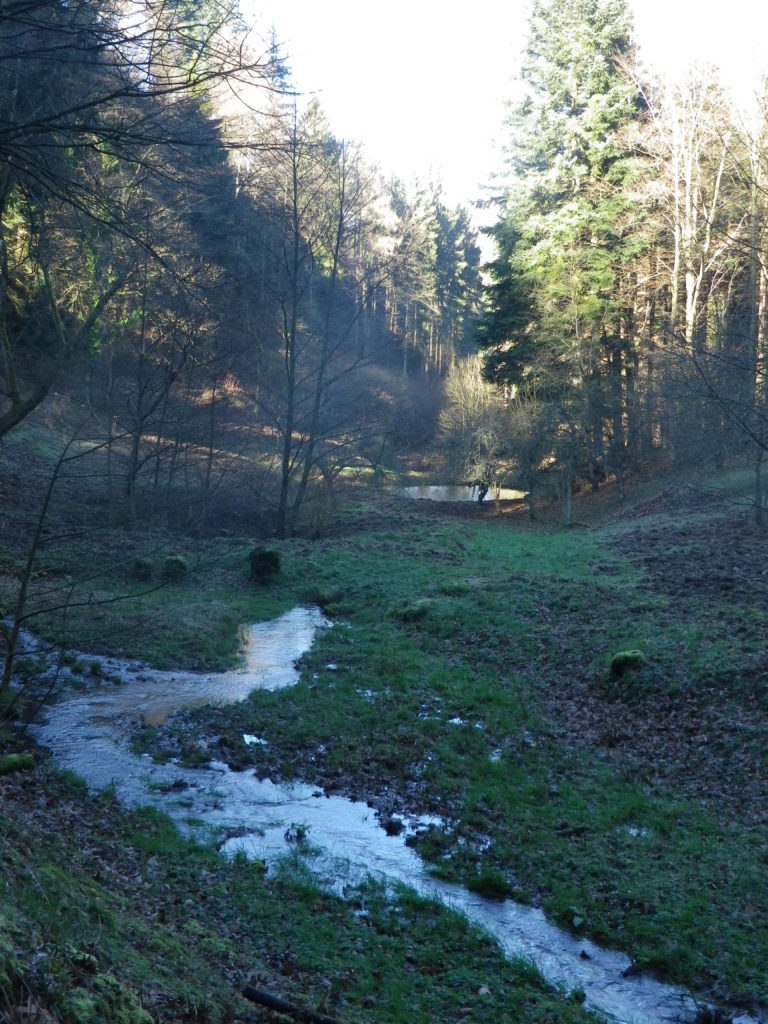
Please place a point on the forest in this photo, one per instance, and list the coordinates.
(228, 342)
(625, 323)
(216, 285)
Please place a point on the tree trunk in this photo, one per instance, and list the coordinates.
(317, 398)
(759, 495)
(290, 328)
(568, 489)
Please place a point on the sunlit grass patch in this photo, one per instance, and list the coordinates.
(444, 685)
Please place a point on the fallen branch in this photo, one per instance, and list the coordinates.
(258, 995)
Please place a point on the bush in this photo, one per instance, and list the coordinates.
(143, 569)
(174, 569)
(264, 564)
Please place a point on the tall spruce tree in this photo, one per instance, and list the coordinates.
(559, 317)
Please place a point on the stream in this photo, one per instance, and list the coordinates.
(87, 733)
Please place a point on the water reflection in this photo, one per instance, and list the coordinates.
(457, 492)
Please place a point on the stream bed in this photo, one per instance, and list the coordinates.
(87, 733)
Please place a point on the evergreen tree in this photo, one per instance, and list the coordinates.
(436, 286)
(568, 232)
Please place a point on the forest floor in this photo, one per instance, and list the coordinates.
(473, 681)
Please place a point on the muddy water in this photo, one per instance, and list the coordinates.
(87, 732)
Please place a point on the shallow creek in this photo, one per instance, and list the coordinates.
(87, 733)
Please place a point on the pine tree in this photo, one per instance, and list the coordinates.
(558, 305)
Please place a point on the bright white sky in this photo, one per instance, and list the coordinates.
(422, 83)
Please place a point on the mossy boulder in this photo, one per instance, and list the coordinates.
(264, 564)
(143, 569)
(411, 611)
(626, 661)
(106, 1000)
(174, 569)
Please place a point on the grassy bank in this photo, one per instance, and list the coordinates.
(110, 916)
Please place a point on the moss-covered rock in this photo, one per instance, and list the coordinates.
(411, 611)
(174, 569)
(625, 661)
(264, 564)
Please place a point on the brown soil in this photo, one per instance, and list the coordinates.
(709, 743)
(725, 557)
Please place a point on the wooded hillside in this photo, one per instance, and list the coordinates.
(627, 321)
(217, 285)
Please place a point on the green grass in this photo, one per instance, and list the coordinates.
(461, 651)
(473, 680)
(125, 916)
(191, 623)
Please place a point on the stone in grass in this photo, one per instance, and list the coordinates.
(264, 564)
(411, 611)
(626, 661)
(174, 569)
(143, 569)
